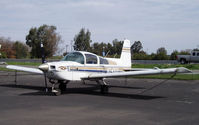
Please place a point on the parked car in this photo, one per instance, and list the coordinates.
(193, 57)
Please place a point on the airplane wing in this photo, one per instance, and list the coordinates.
(25, 69)
(139, 72)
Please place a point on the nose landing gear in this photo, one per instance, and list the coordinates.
(58, 86)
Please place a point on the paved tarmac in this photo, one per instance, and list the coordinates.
(172, 103)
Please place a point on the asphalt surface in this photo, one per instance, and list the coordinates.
(172, 103)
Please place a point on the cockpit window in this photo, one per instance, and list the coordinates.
(75, 56)
(103, 61)
(91, 59)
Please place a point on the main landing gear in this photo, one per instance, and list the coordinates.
(104, 88)
(58, 86)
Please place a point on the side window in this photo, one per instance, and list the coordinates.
(198, 54)
(91, 59)
(103, 61)
(194, 54)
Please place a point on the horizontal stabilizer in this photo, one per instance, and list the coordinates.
(25, 69)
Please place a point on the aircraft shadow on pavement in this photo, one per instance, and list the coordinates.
(119, 86)
(22, 86)
(89, 90)
(96, 92)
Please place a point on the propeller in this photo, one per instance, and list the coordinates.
(44, 67)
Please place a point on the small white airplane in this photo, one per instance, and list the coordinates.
(80, 65)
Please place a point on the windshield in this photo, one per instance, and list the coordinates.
(75, 57)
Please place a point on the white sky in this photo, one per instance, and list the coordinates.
(173, 24)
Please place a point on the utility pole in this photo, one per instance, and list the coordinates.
(66, 48)
(103, 53)
(42, 53)
(71, 45)
(0, 48)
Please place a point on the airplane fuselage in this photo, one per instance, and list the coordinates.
(67, 70)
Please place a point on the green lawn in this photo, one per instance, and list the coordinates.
(188, 66)
(5, 69)
(24, 63)
(168, 76)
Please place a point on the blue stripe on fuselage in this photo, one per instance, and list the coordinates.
(83, 70)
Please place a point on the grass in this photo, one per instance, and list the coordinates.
(168, 76)
(5, 69)
(189, 66)
(24, 63)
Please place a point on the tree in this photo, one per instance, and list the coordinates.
(82, 40)
(173, 55)
(109, 48)
(6, 48)
(20, 49)
(140, 56)
(184, 52)
(95, 48)
(153, 56)
(196, 49)
(136, 47)
(117, 46)
(161, 54)
(44, 34)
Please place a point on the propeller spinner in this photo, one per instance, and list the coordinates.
(44, 67)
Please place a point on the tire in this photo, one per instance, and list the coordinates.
(57, 93)
(104, 89)
(183, 61)
(62, 87)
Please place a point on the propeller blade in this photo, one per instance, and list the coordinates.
(44, 67)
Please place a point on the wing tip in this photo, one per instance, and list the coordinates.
(183, 70)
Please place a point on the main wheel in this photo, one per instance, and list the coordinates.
(104, 89)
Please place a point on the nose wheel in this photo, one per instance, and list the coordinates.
(59, 87)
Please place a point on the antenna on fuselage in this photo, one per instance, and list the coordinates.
(107, 53)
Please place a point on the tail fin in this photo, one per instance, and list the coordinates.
(125, 58)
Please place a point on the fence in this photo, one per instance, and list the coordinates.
(133, 61)
(155, 62)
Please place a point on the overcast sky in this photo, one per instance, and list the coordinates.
(173, 24)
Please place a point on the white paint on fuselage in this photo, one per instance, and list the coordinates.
(68, 70)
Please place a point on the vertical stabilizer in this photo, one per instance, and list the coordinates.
(125, 58)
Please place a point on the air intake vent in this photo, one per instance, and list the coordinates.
(52, 67)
